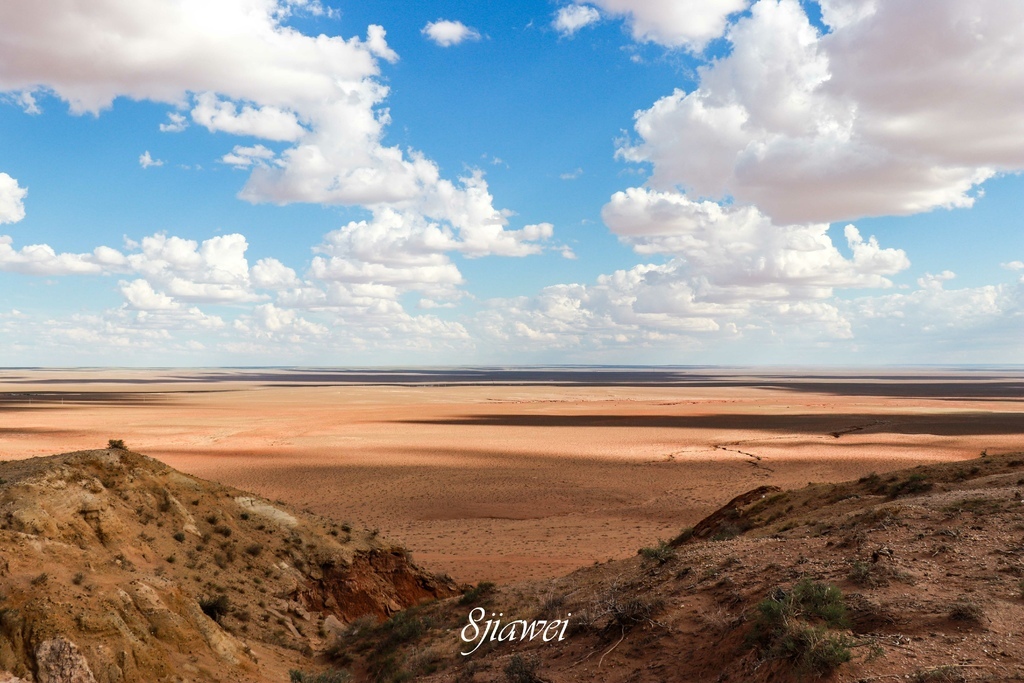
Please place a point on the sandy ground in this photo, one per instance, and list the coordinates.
(502, 476)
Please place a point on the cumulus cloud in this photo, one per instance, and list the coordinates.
(246, 157)
(447, 33)
(736, 252)
(270, 322)
(269, 273)
(146, 160)
(267, 122)
(571, 18)
(214, 271)
(855, 122)
(12, 199)
(689, 24)
(42, 259)
(175, 123)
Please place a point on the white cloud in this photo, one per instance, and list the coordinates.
(27, 102)
(145, 160)
(89, 54)
(269, 273)
(689, 24)
(141, 296)
(270, 322)
(267, 122)
(738, 253)
(447, 33)
(12, 199)
(41, 259)
(400, 250)
(572, 175)
(214, 271)
(571, 18)
(175, 123)
(853, 123)
(245, 157)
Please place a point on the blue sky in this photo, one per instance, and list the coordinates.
(620, 181)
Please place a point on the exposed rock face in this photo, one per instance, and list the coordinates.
(59, 661)
(115, 568)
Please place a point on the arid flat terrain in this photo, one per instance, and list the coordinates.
(505, 475)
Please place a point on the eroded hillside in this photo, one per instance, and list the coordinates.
(115, 567)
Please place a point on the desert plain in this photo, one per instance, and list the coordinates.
(504, 475)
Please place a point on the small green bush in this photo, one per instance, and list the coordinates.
(481, 590)
(965, 610)
(795, 625)
(950, 673)
(863, 574)
(915, 483)
(215, 608)
(522, 669)
(661, 553)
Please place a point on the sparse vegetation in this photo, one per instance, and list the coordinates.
(977, 506)
(481, 590)
(117, 444)
(522, 669)
(215, 608)
(685, 535)
(950, 673)
(254, 549)
(915, 483)
(179, 536)
(796, 625)
(40, 579)
(661, 553)
(966, 610)
(866, 574)
(871, 481)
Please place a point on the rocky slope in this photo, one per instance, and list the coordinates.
(915, 575)
(114, 567)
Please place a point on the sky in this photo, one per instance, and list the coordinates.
(339, 183)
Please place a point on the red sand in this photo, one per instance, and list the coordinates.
(504, 482)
